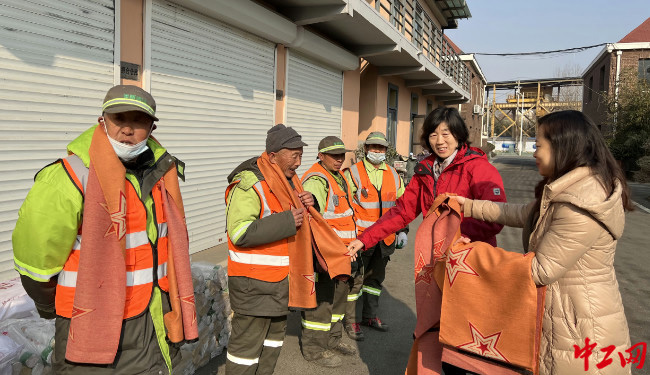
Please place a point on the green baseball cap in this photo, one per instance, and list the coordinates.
(332, 145)
(376, 138)
(125, 98)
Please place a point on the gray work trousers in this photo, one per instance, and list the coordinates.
(255, 344)
(322, 327)
(374, 275)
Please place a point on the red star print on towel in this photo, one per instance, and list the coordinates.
(438, 252)
(423, 271)
(312, 279)
(118, 218)
(457, 263)
(76, 313)
(484, 345)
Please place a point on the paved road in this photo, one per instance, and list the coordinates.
(387, 353)
(641, 195)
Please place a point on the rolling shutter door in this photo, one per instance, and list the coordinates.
(56, 64)
(313, 106)
(214, 89)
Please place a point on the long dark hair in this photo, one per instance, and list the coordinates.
(577, 142)
(456, 125)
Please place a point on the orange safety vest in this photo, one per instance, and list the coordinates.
(140, 252)
(369, 206)
(338, 213)
(267, 262)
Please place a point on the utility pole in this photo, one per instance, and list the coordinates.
(521, 121)
(521, 126)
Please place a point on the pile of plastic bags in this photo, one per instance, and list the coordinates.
(27, 341)
(213, 312)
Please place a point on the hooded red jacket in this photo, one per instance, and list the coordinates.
(470, 175)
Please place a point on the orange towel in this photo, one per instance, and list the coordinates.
(489, 312)
(99, 299)
(317, 234)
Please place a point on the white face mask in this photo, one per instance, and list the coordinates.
(376, 157)
(128, 152)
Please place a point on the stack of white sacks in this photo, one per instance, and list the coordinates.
(27, 341)
(213, 313)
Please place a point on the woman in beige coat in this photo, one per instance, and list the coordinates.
(572, 227)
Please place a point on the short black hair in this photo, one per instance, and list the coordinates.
(452, 118)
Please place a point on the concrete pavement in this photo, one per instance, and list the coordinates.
(387, 353)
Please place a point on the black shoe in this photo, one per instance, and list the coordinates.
(376, 324)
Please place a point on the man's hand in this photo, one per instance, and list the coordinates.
(307, 199)
(353, 249)
(401, 240)
(298, 215)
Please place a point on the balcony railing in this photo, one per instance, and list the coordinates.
(410, 19)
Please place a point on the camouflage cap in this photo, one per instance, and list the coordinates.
(376, 138)
(125, 98)
(332, 145)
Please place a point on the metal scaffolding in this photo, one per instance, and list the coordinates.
(530, 100)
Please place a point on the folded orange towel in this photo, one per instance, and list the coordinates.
(476, 300)
(316, 235)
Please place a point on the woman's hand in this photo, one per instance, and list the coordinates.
(462, 240)
(459, 199)
(353, 248)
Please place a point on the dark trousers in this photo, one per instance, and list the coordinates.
(322, 327)
(255, 344)
(355, 285)
(374, 275)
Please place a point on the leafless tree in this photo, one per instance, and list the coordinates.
(571, 93)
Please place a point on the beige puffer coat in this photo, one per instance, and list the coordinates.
(574, 241)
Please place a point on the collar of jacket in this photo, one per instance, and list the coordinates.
(80, 146)
(425, 167)
(248, 165)
(584, 190)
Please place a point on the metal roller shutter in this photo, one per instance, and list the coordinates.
(56, 64)
(214, 88)
(314, 94)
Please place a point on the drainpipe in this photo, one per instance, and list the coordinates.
(618, 74)
(483, 117)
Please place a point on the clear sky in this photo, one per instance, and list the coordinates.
(504, 26)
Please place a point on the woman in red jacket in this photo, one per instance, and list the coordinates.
(452, 167)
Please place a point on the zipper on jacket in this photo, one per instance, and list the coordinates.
(381, 204)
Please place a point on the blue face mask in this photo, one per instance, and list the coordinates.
(376, 157)
(128, 152)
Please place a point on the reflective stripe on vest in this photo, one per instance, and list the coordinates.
(338, 213)
(139, 253)
(369, 208)
(132, 239)
(139, 277)
(268, 262)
